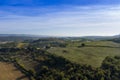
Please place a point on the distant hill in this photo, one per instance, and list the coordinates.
(18, 37)
(100, 37)
(117, 36)
(22, 37)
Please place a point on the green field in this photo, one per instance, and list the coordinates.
(92, 54)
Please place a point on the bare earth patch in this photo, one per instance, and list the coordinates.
(9, 72)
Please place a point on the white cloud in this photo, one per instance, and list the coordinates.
(74, 20)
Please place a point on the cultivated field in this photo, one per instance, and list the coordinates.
(9, 72)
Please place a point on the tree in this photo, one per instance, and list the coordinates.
(83, 44)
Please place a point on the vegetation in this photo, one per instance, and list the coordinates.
(47, 42)
(117, 40)
(93, 53)
(112, 66)
(58, 59)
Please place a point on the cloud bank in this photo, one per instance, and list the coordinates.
(63, 21)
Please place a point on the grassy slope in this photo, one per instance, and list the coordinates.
(93, 54)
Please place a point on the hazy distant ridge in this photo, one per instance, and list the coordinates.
(20, 37)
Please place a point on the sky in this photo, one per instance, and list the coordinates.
(60, 17)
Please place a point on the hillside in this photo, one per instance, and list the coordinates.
(93, 53)
(41, 65)
(61, 59)
(19, 37)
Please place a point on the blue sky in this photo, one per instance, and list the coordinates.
(60, 17)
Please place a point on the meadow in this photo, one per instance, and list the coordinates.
(93, 53)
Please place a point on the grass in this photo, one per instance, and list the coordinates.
(9, 72)
(92, 54)
(22, 45)
(28, 64)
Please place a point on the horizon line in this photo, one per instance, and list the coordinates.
(59, 35)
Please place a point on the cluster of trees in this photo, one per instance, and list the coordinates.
(117, 40)
(82, 45)
(48, 42)
(23, 69)
(112, 67)
(5, 50)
